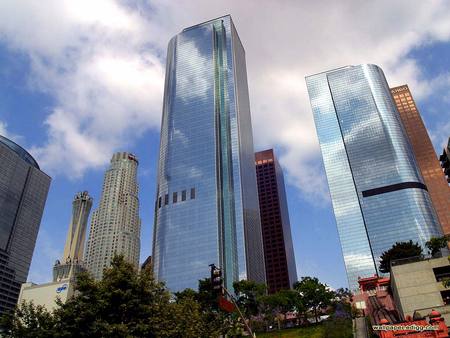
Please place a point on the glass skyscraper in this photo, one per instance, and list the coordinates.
(207, 208)
(377, 191)
(23, 192)
(281, 271)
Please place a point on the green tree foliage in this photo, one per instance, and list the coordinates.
(435, 244)
(127, 304)
(124, 304)
(399, 250)
(314, 294)
(248, 294)
(28, 321)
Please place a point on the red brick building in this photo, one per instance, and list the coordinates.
(281, 271)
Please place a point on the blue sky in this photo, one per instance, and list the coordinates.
(80, 80)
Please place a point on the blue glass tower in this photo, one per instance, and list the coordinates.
(23, 192)
(376, 188)
(207, 208)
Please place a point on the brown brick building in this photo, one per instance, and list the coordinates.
(425, 154)
(281, 271)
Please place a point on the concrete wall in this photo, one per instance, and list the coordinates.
(415, 287)
(45, 294)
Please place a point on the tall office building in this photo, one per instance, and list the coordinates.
(377, 191)
(115, 225)
(425, 154)
(281, 272)
(445, 161)
(207, 207)
(65, 272)
(72, 260)
(23, 192)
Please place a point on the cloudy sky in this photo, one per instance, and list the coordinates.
(82, 79)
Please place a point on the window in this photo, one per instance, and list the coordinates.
(175, 197)
(446, 297)
(183, 195)
(166, 199)
(159, 202)
(441, 272)
(192, 193)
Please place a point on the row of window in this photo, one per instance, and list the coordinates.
(175, 197)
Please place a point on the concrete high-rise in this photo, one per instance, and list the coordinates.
(72, 260)
(115, 225)
(23, 192)
(378, 193)
(425, 154)
(281, 272)
(207, 208)
(65, 272)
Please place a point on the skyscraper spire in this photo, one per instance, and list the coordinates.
(72, 260)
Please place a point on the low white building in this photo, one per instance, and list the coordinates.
(46, 294)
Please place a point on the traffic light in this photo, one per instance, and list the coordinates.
(216, 279)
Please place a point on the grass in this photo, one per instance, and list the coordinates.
(329, 329)
(304, 332)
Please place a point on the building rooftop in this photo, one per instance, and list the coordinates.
(22, 153)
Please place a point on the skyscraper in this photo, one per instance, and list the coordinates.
(72, 260)
(65, 273)
(425, 154)
(115, 225)
(281, 272)
(207, 207)
(377, 191)
(23, 192)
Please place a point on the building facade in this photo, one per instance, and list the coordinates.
(281, 272)
(425, 154)
(72, 260)
(207, 208)
(377, 191)
(23, 192)
(417, 286)
(46, 294)
(115, 225)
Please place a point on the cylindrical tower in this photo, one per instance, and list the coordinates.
(115, 225)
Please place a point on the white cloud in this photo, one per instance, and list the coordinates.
(103, 63)
(6, 133)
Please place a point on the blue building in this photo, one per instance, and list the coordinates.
(207, 207)
(23, 192)
(376, 188)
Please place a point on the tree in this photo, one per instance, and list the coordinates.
(277, 305)
(124, 303)
(315, 295)
(27, 321)
(435, 244)
(399, 250)
(248, 294)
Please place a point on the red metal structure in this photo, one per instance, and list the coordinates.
(440, 331)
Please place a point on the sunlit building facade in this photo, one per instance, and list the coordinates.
(207, 209)
(23, 192)
(116, 225)
(425, 154)
(72, 261)
(377, 191)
